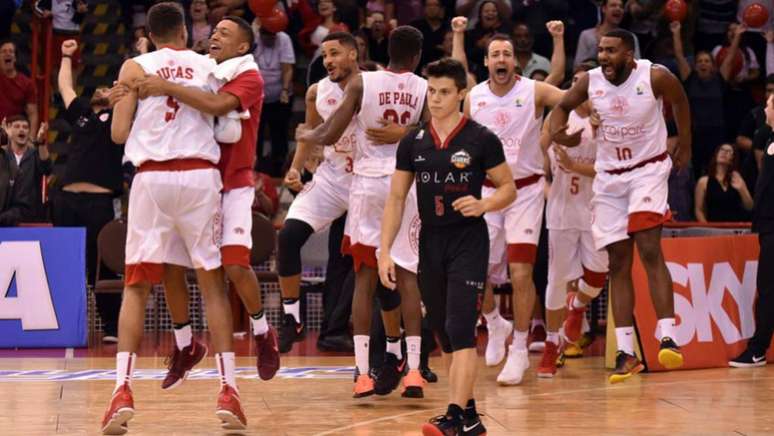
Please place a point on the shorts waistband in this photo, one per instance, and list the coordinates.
(653, 159)
(176, 165)
(520, 183)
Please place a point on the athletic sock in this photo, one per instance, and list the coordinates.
(520, 340)
(577, 303)
(361, 353)
(183, 335)
(124, 368)
(225, 362)
(665, 328)
(292, 306)
(470, 410)
(553, 337)
(413, 351)
(393, 346)
(258, 321)
(455, 411)
(492, 317)
(624, 336)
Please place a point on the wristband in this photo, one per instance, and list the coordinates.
(67, 56)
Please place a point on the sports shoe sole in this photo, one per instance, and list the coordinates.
(509, 382)
(363, 394)
(537, 347)
(229, 420)
(546, 374)
(413, 392)
(746, 365)
(185, 376)
(430, 430)
(117, 423)
(618, 378)
(671, 359)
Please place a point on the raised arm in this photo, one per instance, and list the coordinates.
(393, 213)
(546, 96)
(666, 85)
(65, 78)
(459, 25)
(331, 130)
(558, 57)
(123, 112)
(677, 42)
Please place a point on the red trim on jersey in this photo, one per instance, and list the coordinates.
(520, 183)
(619, 171)
(143, 272)
(176, 165)
(593, 278)
(639, 221)
(235, 255)
(363, 255)
(172, 48)
(437, 139)
(522, 253)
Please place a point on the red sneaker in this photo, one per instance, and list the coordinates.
(119, 412)
(267, 354)
(180, 363)
(229, 409)
(547, 368)
(574, 322)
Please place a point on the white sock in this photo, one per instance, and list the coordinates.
(413, 351)
(553, 337)
(293, 308)
(260, 326)
(394, 348)
(665, 328)
(124, 368)
(226, 365)
(361, 353)
(537, 322)
(492, 317)
(624, 336)
(183, 336)
(577, 303)
(519, 340)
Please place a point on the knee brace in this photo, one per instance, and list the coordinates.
(592, 282)
(388, 298)
(291, 238)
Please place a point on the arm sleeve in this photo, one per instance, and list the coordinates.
(403, 159)
(247, 87)
(493, 150)
(77, 108)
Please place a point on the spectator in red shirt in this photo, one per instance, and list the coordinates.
(266, 195)
(17, 91)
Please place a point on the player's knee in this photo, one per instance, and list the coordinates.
(650, 254)
(556, 295)
(388, 298)
(291, 238)
(520, 272)
(461, 335)
(619, 263)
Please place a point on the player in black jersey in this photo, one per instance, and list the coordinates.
(449, 157)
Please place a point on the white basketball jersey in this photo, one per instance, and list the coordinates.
(633, 127)
(512, 118)
(337, 165)
(398, 97)
(569, 199)
(165, 129)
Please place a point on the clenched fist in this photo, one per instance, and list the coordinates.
(69, 47)
(459, 24)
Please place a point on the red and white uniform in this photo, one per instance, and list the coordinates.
(571, 251)
(398, 97)
(513, 119)
(326, 196)
(176, 193)
(630, 188)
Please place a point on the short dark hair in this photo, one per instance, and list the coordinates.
(7, 41)
(245, 28)
(18, 117)
(165, 19)
(624, 35)
(344, 38)
(405, 43)
(451, 68)
(499, 37)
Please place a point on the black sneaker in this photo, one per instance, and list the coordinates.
(290, 332)
(472, 426)
(748, 359)
(669, 354)
(428, 374)
(444, 425)
(390, 375)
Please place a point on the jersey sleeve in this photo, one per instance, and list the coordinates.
(404, 161)
(78, 107)
(493, 150)
(247, 87)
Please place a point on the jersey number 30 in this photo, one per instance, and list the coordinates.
(392, 115)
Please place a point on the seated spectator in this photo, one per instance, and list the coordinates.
(16, 192)
(722, 195)
(375, 32)
(533, 65)
(17, 91)
(489, 23)
(67, 17)
(199, 28)
(433, 26)
(472, 9)
(266, 195)
(28, 156)
(745, 67)
(329, 22)
(612, 15)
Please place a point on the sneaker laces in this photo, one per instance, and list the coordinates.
(172, 360)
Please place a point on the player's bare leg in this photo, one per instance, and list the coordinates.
(622, 298)
(498, 328)
(661, 293)
(411, 310)
(524, 296)
(362, 301)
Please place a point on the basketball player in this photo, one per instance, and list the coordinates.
(395, 95)
(571, 247)
(449, 157)
(239, 88)
(630, 188)
(175, 197)
(512, 107)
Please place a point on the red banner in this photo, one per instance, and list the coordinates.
(714, 291)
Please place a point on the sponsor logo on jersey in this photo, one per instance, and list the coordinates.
(419, 159)
(331, 101)
(599, 93)
(413, 234)
(519, 102)
(460, 159)
(647, 200)
(239, 231)
(615, 133)
(501, 120)
(640, 88)
(401, 86)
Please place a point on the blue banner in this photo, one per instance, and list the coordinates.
(43, 287)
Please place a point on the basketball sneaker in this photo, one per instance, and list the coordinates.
(428, 374)
(574, 322)
(267, 354)
(626, 366)
(364, 386)
(119, 412)
(390, 375)
(748, 359)
(181, 362)
(495, 346)
(229, 409)
(669, 354)
(413, 385)
(290, 332)
(547, 368)
(472, 426)
(515, 366)
(443, 425)
(537, 338)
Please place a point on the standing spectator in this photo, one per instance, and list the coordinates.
(433, 26)
(16, 193)
(490, 21)
(92, 177)
(745, 63)
(722, 195)
(199, 28)
(750, 156)
(612, 15)
(375, 32)
(275, 58)
(714, 16)
(67, 17)
(17, 91)
(28, 156)
(472, 9)
(527, 60)
(536, 13)
(329, 22)
(644, 17)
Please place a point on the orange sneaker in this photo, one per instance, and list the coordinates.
(119, 412)
(364, 386)
(574, 322)
(229, 409)
(413, 385)
(547, 368)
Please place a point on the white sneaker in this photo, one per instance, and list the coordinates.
(495, 347)
(513, 371)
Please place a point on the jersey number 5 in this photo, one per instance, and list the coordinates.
(574, 185)
(174, 106)
(439, 209)
(392, 115)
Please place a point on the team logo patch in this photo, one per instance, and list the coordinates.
(413, 234)
(640, 88)
(528, 231)
(519, 102)
(460, 159)
(420, 134)
(647, 199)
(502, 119)
(331, 101)
(619, 106)
(401, 86)
(419, 159)
(599, 93)
(239, 231)
(770, 150)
